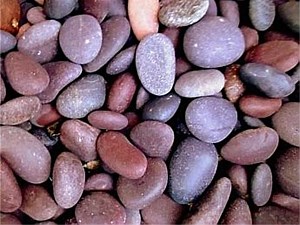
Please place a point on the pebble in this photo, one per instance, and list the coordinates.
(173, 33)
(286, 201)
(46, 116)
(10, 16)
(213, 42)
(212, 8)
(99, 182)
(133, 217)
(182, 66)
(9, 219)
(174, 13)
(82, 97)
(251, 146)
(22, 30)
(262, 14)
(155, 64)
(36, 15)
(107, 120)
(239, 179)
(142, 97)
(7, 41)
(56, 9)
(251, 37)
(210, 119)
(273, 35)
(289, 13)
(234, 87)
(2, 90)
(230, 10)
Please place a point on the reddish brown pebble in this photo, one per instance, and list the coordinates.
(279, 36)
(182, 66)
(99, 182)
(10, 12)
(120, 155)
(239, 179)
(9, 219)
(286, 201)
(23, 29)
(234, 87)
(46, 116)
(133, 119)
(35, 15)
(251, 37)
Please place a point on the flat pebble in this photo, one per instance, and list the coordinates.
(230, 10)
(262, 14)
(239, 179)
(251, 146)
(289, 13)
(36, 15)
(99, 182)
(7, 41)
(56, 9)
(107, 120)
(155, 64)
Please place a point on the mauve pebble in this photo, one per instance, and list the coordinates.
(99, 182)
(261, 184)
(25, 76)
(213, 42)
(9, 219)
(7, 41)
(133, 119)
(133, 217)
(230, 10)
(174, 13)
(80, 138)
(40, 41)
(251, 37)
(239, 179)
(36, 15)
(284, 122)
(192, 168)
(182, 66)
(107, 120)
(2, 90)
(199, 83)
(154, 138)
(268, 80)
(155, 64)
(262, 13)
(253, 122)
(57, 9)
(61, 73)
(173, 33)
(82, 97)
(289, 13)
(161, 108)
(122, 61)
(121, 93)
(210, 119)
(115, 32)
(46, 116)
(286, 201)
(19, 110)
(162, 211)
(212, 8)
(142, 98)
(251, 146)
(80, 38)
(282, 55)
(139, 193)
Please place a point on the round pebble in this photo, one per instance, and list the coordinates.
(107, 120)
(56, 9)
(230, 10)
(262, 14)
(35, 15)
(239, 179)
(7, 41)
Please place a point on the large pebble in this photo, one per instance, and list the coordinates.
(120, 155)
(80, 38)
(154, 138)
(82, 97)
(139, 193)
(262, 13)
(268, 80)
(99, 208)
(155, 64)
(10, 193)
(192, 168)
(107, 120)
(213, 42)
(19, 110)
(116, 31)
(61, 73)
(26, 76)
(40, 41)
(25, 154)
(99, 182)
(289, 13)
(80, 138)
(211, 119)
(174, 13)
(161, 108)
(7, 41)
(200, 83)
(68, 180)
(239, 179)
(287, 171)
(251, 146)
(282, 55)
(285, 123)
(230, 10)
(57, 9)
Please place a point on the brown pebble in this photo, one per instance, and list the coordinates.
(107, 120)
(239, 179)
(99, 182)
(234, 87)
(286, 201)
(46, 116)
(10, 12)
(251, 37)
(23, 29)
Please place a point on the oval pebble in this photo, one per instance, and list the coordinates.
(46, 116)
(99, 208)
(268, 80)
(56, 9)
(68, 180)
(2, 89)
(116, 31)
(107, 120)
(199, 83)
(61, 73)
(82, 97)
(155, 64)
(11, 196)
(289, 13)
(7, 41)
(286, 201)
(25, 76)
(230, 11)
(251, 146)
(261, 184)
(161, 108)
(234, 88)
(239, 179)
(210, 119)
(40, 41)
(213, 42)
(19, 110)
(25, 154)
(133, 217)
(80, 138)
(262, 14)
(142, 98)
(259, 107)
(139, 193)
(99, 182)
(182, 13)
(251, 37)
(192, 168)
(37, 203)
(80, 38)
(154, 138)
(120, 155)
(284, 122)
(282, 55)
(36, 15)
(9, 219)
